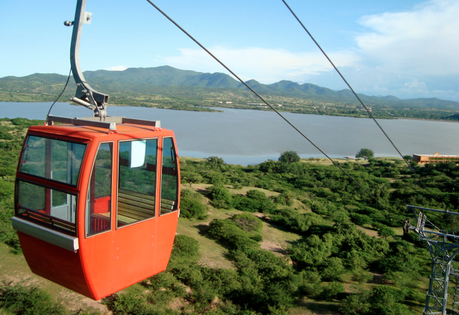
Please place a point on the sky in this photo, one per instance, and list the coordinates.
(405, 48)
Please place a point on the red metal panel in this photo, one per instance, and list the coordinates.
(54, 263)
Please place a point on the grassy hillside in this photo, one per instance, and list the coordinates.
(274, 238)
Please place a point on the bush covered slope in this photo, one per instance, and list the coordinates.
(336, 248)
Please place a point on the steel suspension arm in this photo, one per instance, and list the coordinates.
(85, 95)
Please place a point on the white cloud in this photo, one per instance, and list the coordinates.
(116, 68)
(409, 54)
(423, 41)
(262, 64)
(406, 54)
(415, 84)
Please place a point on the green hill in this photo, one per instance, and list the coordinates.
(168, 87)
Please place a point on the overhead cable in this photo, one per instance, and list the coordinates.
(264, 101)
(356, 95)
(345, 81)
(63, 90)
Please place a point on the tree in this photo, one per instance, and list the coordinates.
(215, 162)
(356, 302)
(408, 157)
(192, 208)
(191, 177)
(334, 270)
(220, 196)
(385, 232)
(331, 290)
(289, 157)
(365, 153)
(185, 247)
(385, 300)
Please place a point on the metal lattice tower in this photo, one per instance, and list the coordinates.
(443, 247)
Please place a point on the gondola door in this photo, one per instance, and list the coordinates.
(97, 248)
(169, 201)
(121, 216)
(136, 217)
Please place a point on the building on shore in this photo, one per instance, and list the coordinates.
(435, 158)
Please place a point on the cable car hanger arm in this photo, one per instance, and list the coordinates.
(85, 95)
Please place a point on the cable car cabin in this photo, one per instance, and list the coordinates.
(97, 204)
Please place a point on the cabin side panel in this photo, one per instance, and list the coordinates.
(54, 263)
(166, 230)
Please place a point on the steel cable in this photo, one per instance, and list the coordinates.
(63, 90)
(264, 101)
(345, 81)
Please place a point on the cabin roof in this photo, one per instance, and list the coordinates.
(93, 133)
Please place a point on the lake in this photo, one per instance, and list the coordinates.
(251, 137)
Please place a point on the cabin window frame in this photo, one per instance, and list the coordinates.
(48, 162)
(163, 209)
(129, 194)
(50, 218)
(87, 208)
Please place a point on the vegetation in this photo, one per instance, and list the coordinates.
(22, 299)
(191, 205)
(348, 254)
(365, 154)
(10, 145)
(289, 157)
(27, 299)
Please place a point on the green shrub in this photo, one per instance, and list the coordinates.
(312, 251)
(294, 221)
(215, 162)
(385, 300)
(254, 201)
(185, 247)
(229, 233)
(385, 232)
(289, 157)
(131, 302)
(7, 234)
(285, 198)
(244, 203)
(356, 303)
(334, 269)
(188, 273)
(310, 285)
(23, 122)
(217, 178)
(164, 287)
(202, 296)
(362, 276)
(27, 300)
(360, 219)
(247, 222)
(4, 133)
(220, 196)
(331, 290)
(223, 281)
(192, 208)
(190, 177)
(257, 237)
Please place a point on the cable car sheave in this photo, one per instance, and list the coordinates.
(97, 199)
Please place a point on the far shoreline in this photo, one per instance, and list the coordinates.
(207, 109)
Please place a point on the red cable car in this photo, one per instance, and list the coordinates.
(97, 199)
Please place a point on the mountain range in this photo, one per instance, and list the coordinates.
(147, 81)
